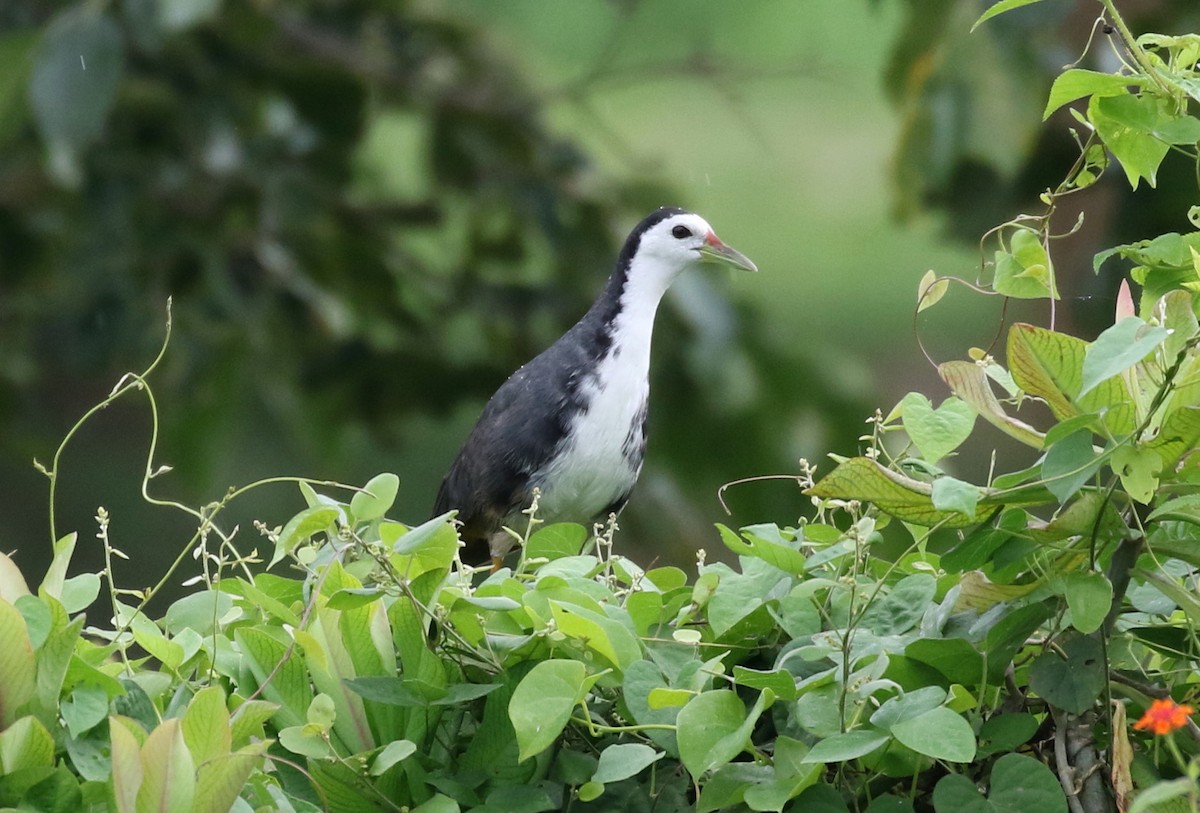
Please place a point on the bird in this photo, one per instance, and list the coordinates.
(572, 422)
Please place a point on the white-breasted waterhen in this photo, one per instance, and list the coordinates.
(572, 422)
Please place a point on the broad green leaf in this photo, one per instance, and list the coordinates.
(1178, 435)
(1089, 597)
(1117, 349)
(168, 773)
(1077, 83)
(950, 494)
(26, 745)
(205, 725)
(220, 780)
(542, 703)
(439, 803)
(597, 632)
(969, 382)
(847, 746)
(279, 672)
(126, 766)
(781, 681)
(907, 706)
(427, 547)
(714, 727)
(1138, 467)
(955, 658)
(151, 639)
(1073, 682)
(56, 574)
(393, 752)
(936, 432)
(775, 552)
(1024, 271)
(53, 660)
(300, 528)
(1001, 7)
(1125, 124)
(1070, 463)
(624, 760)
(1006, 732)
(861, 478)
(305, 740)
(18, 669)
(938, 733)
(376, 498)
(902, 607)
(1050, 365)
(85, 709)
(1022, 784)
(556, 541)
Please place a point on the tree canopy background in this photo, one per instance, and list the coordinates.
(367, 214)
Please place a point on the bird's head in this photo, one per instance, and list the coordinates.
(672, 240)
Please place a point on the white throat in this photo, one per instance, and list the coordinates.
(589, 476)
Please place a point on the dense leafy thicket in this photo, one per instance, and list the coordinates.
(367, 669)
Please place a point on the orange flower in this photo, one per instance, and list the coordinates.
(1163, 717)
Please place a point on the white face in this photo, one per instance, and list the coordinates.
(677, 240)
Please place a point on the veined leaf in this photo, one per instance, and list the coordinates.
(542, 703)
(1077, 83)
(969, 382)
(1117, 349)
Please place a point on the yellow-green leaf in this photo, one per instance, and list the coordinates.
(969, 382)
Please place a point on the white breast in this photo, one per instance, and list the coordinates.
(593, 467)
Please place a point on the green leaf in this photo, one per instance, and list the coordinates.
(624, 760)
(205, 726)
(1119, 348)
(18, 668)
(376, 498)
(969, 382)
(424, 548)
(1089, 597)
(86, 708)
(775, 552)
(930, 290)
(907, 706)
(938, 733)
(168, 773)
(556, 541)
(1071, 683)
(1125, 124)
(1077, 83)
(1022, 784)
(1178, 435)
(597, 632)
(392, 753)
(714, 727)
(126, 766)
(862, 478)
(936, 432)
(542, 703)
(902, 607)
(847, 746)
(76, 71)
(300, 528)
(1006, 732)
(1138, 467)
(955, 658)
(950, 494)
(26, 745)
(781, 681)
(1070, 463)
(1025, 270)
(56, 574)
(1000, 8)
(220, 780)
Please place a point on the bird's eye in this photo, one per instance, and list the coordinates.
(681, 232)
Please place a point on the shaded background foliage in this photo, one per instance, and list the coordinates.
(369, 214)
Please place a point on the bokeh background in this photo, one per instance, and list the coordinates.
(368, 213)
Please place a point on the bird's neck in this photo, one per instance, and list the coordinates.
(631, 301)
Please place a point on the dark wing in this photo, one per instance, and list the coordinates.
(517, 433)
